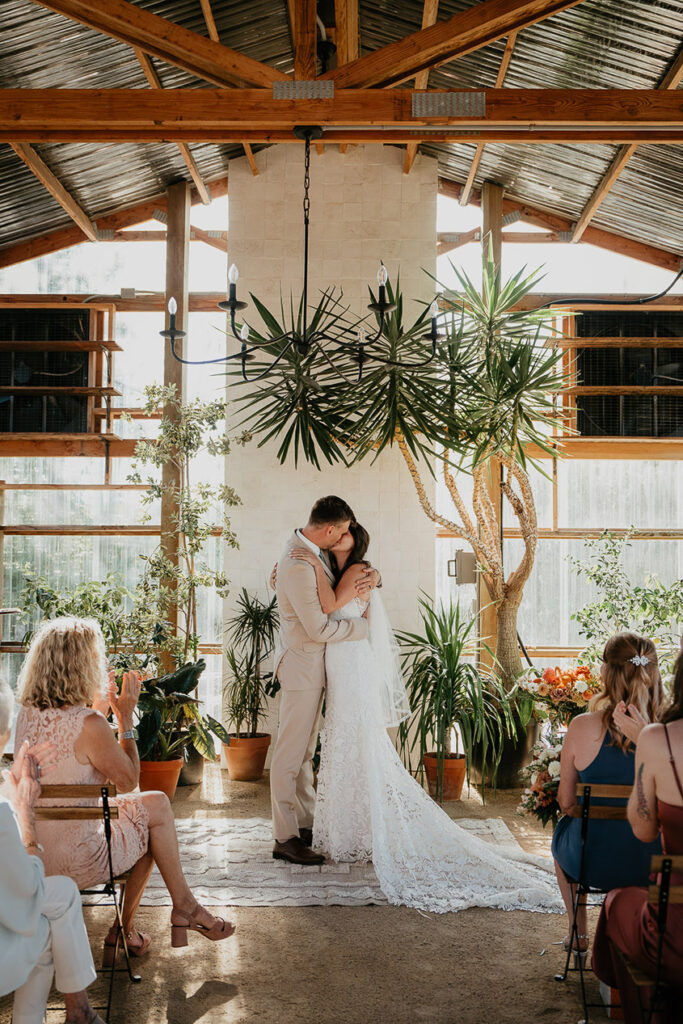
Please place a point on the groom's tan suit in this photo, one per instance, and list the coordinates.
(300, 668)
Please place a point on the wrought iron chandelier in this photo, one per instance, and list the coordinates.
(353, 340)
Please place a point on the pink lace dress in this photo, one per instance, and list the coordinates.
(78, 848)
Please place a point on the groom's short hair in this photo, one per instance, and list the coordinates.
(330, 511)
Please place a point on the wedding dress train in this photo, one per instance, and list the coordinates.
(370, 808)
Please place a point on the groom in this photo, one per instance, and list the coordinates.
(300, 668)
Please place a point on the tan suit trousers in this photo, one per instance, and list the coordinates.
(291, 771)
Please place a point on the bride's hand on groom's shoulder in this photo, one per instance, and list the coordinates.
(273, 578)
(367, 582)
(305, 555)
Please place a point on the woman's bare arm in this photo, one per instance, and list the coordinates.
(331, 600)
(566, 793)
(642, 805)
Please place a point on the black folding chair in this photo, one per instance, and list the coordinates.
(588, 811)
(115, 887)
(661, 893)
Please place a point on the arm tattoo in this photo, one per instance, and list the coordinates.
(643, 810)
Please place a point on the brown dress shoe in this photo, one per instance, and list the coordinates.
(296, 852)
(306, 836)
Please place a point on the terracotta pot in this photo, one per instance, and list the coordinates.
(246, 756)
(160, 775)
(453, 774)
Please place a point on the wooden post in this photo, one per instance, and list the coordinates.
(491, 236)
(177, 267)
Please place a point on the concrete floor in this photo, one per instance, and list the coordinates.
(339, 965)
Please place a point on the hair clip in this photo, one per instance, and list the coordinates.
(640, 659)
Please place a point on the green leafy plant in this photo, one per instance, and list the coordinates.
(169, 716)
(130, 633)
(651, 609)
(252, 630)
(186, 429)
(479, 405)
(447, 692)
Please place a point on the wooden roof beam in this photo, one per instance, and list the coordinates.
(348, 36)
(164, 39)
(200, 113)
(429, 13)
(479, 152)
(670, 81)
(465, 32)
(63, 238)
(556, 222)
(42, 172)
(155, 83)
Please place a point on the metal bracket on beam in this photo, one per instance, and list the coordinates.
(511, 218)
(104, 234)
(565, 236)
(161, 216)
(448, 104)
(304, 90)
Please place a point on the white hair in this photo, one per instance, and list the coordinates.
(6, 707)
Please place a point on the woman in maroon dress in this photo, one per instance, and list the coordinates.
(628, 922)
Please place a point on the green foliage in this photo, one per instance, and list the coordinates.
(485, 392)
(446, 690)
(130, 632)
(185, 430)
(169, 716)
(653, 609)
(252, 630)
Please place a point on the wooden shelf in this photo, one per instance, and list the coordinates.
(616, 343)
(670, 391)
(66, 445)
(59, 346)
(50, 389)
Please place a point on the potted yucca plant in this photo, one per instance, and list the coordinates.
(456, 707)
(252, 632)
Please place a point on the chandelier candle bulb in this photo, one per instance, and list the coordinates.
(172, 310)
(382, 281)
(233, 275)
(244, 333)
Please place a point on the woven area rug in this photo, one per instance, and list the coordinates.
(229, 862)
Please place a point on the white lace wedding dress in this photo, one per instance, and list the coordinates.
(370, 808)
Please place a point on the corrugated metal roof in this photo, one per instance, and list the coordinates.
(597, 44)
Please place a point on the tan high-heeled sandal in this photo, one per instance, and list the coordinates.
(220, 929)
(110, 945)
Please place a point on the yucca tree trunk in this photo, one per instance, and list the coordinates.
(507, 645)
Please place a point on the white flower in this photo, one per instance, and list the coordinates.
(533, 779)
(556, 751)
(580, 685)
(554, 769)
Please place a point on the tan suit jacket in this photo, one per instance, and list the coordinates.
(304, 627)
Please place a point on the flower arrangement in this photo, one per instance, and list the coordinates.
(542, 778)
(558, 694)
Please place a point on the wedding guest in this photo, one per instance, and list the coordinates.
(58, 689)
(42, 934)
(627, 919)
(596, 751)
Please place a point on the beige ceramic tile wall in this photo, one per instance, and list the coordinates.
(363, 209)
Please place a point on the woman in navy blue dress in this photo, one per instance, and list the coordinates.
(596, 751)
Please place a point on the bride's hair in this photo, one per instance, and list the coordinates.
(361, 543)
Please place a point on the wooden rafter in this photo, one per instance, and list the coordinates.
(670, 81)
(557, 223)
(164, 39)
(305, 40)
(348, 36)
(99, 114)
(211, 28)
(42, 172)
(155, 83)
(429, 13)
(63, 238)
(465, 32)
(479, 152)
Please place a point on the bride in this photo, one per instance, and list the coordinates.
(369, 807)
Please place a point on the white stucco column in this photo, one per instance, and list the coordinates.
(363, 210)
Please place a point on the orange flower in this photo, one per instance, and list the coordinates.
(550, 675)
